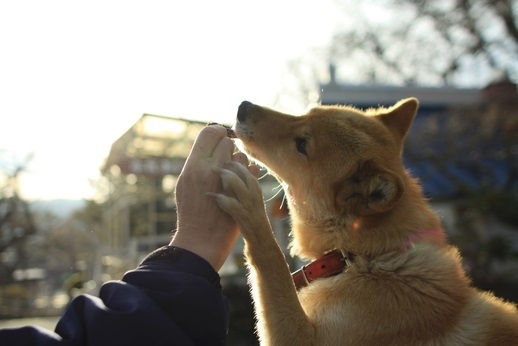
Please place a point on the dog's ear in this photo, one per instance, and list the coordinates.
(399, 117)
(370, 190)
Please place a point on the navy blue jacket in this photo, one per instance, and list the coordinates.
(173, 298)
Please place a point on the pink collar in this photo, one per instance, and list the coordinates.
(432, 235)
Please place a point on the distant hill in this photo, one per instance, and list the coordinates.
(62, 208)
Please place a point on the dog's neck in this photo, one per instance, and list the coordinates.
(368, 235)
(336, 262)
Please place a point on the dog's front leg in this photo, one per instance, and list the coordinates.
(281, 319)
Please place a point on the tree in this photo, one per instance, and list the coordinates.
(16, 222)
(456, 42)
(34, 260)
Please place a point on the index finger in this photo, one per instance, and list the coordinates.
(207, 140)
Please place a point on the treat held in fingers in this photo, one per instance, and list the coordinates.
(230, 131)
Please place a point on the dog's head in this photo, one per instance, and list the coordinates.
(338, 165)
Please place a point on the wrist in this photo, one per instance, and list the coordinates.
(197, 250)
(213, 251)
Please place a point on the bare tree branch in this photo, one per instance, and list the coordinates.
(429, 42)
(504, 8)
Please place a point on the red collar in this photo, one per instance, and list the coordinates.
(330, 264)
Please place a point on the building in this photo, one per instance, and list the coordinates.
(141, 170)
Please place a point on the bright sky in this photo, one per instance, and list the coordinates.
(74, 75)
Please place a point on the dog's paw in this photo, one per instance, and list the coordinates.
(242, 197)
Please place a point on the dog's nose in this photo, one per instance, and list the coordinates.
(243, 110)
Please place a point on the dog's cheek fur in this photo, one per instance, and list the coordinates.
(370, 190)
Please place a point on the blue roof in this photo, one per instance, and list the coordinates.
(474, 163)
(454, 178)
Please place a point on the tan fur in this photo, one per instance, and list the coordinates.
(351, 192)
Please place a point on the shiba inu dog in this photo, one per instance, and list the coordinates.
(383, 272)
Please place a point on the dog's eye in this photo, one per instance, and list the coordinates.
(301, 143)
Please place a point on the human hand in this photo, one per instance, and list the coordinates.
(202, 227)
(242, 198)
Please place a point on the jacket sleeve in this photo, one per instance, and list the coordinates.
(173, 298)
